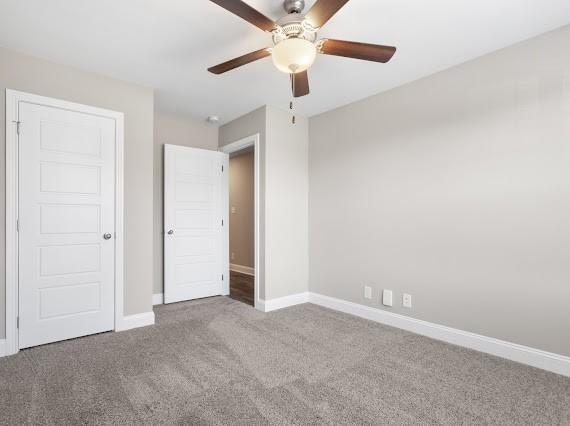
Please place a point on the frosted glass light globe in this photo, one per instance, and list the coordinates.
(294, 55)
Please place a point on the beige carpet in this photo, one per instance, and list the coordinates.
(218, 361)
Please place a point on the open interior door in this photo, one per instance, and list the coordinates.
(196, 260)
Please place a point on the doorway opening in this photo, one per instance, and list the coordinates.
(244, 220)
(241, 214)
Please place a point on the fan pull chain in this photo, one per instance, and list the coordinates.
(291, 108)
(291, 103)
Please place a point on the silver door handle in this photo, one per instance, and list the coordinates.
(170, 232)
(107, 236)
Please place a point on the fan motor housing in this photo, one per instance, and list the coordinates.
(293, 26)
(294, 6)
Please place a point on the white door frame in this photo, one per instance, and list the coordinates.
(12, 124)
(247, 142)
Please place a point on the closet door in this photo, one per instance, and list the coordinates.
(66, 224)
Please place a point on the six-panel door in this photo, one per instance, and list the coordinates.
(66, 208)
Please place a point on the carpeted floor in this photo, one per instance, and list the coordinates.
(218, 361)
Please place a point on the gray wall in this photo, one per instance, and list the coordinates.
(24, 73)
(286, 204)
(242, 127)
(242, 209)
(174, 130)
(284, 197)
(455, 189)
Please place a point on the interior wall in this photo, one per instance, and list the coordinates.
(174, 130)
(28, 74)
(286, 204)
(454, 189)
(284, 197)
(240, 128)
(242, 209)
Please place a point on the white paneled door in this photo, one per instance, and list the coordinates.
(196, 249)
(66, 224)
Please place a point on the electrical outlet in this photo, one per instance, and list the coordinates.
(387, 297)
(367, 292)
(407, 300)
(233, 255)
(233, 209)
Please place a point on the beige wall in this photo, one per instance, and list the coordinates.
(455, 189)
(24, 73)
(174, 130)
(284, 197)
(242, 127)
(286, 204)
(242, 206)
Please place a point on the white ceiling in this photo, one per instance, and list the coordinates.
(168, 44)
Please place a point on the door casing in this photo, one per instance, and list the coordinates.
(13, 98)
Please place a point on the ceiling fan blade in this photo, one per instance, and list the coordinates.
(352, 49)
(238, 62)
(323, 10)
(245, 11)
(300, 84)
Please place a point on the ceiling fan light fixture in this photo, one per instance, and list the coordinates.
(295, 40)
(294, 55)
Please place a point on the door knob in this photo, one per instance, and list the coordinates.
(170, 232)
(107, 236)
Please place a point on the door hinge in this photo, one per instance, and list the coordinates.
(222, 277)
(17, 322)
(222, 222)
(18, 123)
(17, 225)
(222, 168)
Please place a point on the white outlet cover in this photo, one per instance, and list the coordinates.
(367, 292)
(387, 297)
(407, 300)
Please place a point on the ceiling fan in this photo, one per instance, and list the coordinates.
(295, 43)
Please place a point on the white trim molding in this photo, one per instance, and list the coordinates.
(247, 270)
(158, 299)
(3, 351)
(240, 145)
(284, 302)
(11, 307)
(13, 98)
(135, 321)
(523, 354)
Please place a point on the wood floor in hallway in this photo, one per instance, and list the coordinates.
(242, 287)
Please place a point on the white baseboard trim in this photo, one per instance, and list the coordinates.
(128, 323)
(259, 304)
(135, 321)
(158, 299)
(559, 364)
(243, 269)
(282, 302)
